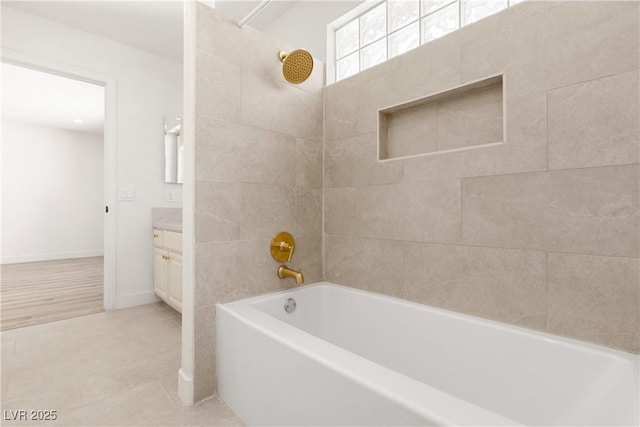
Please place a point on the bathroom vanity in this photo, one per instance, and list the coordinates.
(167, 255)
(167, 266)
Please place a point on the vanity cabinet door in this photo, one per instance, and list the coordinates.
(160, 272)
(175, 281)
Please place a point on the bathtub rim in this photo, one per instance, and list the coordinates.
(564, 341)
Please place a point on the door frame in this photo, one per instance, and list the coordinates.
(14, 57)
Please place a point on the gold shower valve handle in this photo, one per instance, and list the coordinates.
(282, 246)
(285, 247)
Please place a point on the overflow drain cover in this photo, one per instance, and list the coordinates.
(290, 305)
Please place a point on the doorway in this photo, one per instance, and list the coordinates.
(58, 240)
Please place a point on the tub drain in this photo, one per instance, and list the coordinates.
(290, 305)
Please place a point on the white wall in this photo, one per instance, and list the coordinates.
(305, 25)
(148, 88)
(51, 193)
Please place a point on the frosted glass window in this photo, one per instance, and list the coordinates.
(402, 12)
(373, 54)
(474, 10)
(373, 24)
(348, 66)
(391, 27)
(429, 6)
(440, 23)
(405, 39)
(347, 39)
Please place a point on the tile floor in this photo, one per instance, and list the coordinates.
(108, 369)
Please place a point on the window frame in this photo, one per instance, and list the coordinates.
(368, 5)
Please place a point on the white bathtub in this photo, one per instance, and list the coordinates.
(348, 357)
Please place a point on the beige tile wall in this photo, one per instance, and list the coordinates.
(258, 171)
(542, 231)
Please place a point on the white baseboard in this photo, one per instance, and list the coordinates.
(14, 259)
(185, 388)
(132, 300)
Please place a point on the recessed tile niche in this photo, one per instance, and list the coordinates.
(464, 117)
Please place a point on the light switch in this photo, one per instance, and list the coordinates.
(127, 194)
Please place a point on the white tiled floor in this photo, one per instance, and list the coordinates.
(109, 369)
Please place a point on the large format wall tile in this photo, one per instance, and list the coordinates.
(589, 211)
(218, 207)
(595, 123)
(565, 44)
(308, 163)
(587, 40)
(217, 78)
(354, 162)
(308, 212)
(307, 258)
(421, 75)
(266, 209)
(596, 299)
(499, 284)
(341, 111)
(379, 211)
(369, 264)
(232, 211)
(490, 47)
(340, 217)
(417, 211)
(234, 152)
(214, 261)
(431, 211)
(273, 104)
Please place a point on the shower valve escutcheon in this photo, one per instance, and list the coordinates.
(282, 246)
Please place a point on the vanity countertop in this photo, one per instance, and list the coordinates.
(170, 226)
(167, 219)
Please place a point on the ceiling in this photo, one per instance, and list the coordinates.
(38, 98)
(151, 25)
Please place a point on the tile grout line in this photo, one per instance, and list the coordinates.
(340, 236)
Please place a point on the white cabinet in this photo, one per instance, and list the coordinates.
(175, 281)
(160, 272)
(167, 267)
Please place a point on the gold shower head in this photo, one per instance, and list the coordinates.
(296, 66)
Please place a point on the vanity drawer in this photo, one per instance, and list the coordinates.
(157, 238)
(172, 241)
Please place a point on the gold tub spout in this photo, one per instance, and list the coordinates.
(284, 272)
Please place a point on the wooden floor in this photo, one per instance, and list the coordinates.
(39, 292)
